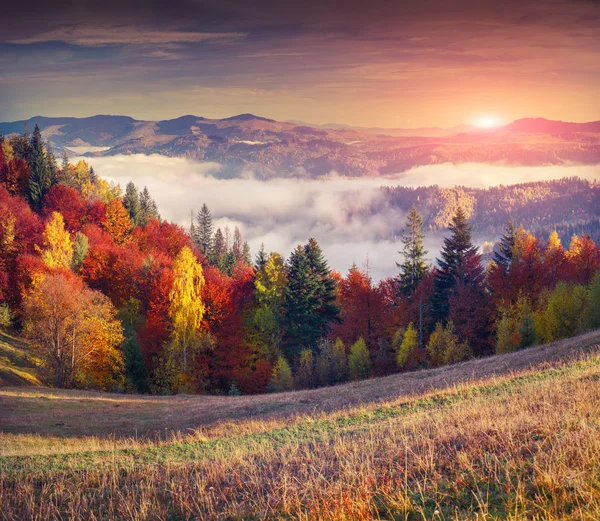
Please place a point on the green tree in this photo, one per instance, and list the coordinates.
(340, 362)
(80, 250)
(148, 207)
(40, 175)
(204, 231)
(407, 355)
(565, 313)
(444, 346)
(457, 257)
(359, 361)
(136, 374)
(504, 254)
(305, 376)
(282, 379)
(131, 202)
(309, 306)
(592, 319)
(414, 268)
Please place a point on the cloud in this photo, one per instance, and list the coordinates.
(349, 217)
(125, 35)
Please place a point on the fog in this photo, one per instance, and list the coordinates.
(285, 212)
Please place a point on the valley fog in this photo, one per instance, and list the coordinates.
(337, 211)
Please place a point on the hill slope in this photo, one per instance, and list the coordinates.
(17, 367)
(524, 445)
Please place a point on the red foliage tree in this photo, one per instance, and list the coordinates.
(69, 203)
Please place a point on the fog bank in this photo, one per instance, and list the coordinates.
(285, 212)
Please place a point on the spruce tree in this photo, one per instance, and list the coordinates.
(204, 231)
(219, 250)
(261, 257)
(457, 255)
(414, 268)
(148, 207)
(39, 177)
(309, 307)
(131, 202)
(504, 254)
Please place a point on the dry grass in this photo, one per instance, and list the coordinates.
(17, 368)
(63, 413)
(520, 445)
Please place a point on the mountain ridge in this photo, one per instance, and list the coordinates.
(270, 148)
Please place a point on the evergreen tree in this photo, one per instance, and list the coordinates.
(504, 254)
(219, 253)
(93, 176)
(131, 202)
(310, 299)
(413, 269)
(64, 166)
(238, 246)
(457, 255)
(204, 231)
(246, 254)
(148, 208)
(39, 179)
(261, 257)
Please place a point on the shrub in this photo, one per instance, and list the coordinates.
(407, 353)
(444, 347)
(592, 319)
(565, 313)
(5, 317)
(282, 379)
(359, 361)
(340, 362)
(305, 377)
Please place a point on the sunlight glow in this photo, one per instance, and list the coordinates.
(487, 122)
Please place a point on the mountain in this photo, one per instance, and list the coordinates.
(268, 148)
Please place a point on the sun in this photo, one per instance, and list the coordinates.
(487, 122)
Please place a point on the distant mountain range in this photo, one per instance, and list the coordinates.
(268, 148)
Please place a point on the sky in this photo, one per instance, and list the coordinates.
(382, 63)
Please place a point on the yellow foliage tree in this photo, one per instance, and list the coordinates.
(117, 221)
(57, 250)
(186, 306)
(74, 331)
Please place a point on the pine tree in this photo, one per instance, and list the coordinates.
(131, 202)
(92, 175)
(204, 231)
(39, 177)
(219, 253)
(148, 208)
(504, 254)
(413, 269)
(238, 247)
(246, 254)
(309, 306)
(261, 257)
(457, 254)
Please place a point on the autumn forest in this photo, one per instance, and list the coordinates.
(112, 297)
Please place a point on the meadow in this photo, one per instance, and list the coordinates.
(512, 436)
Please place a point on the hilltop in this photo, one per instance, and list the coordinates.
(270, 148)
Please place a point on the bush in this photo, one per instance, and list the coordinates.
(592, 319)
(407, 356)
(5, 317)
(306, 377)
(359, 361)
(444, 347)
(340, 362)
(282, 379)
(565, 313)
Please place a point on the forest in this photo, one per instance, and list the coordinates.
(110, 296)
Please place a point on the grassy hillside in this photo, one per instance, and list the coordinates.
(17, 368)
(509, 437)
